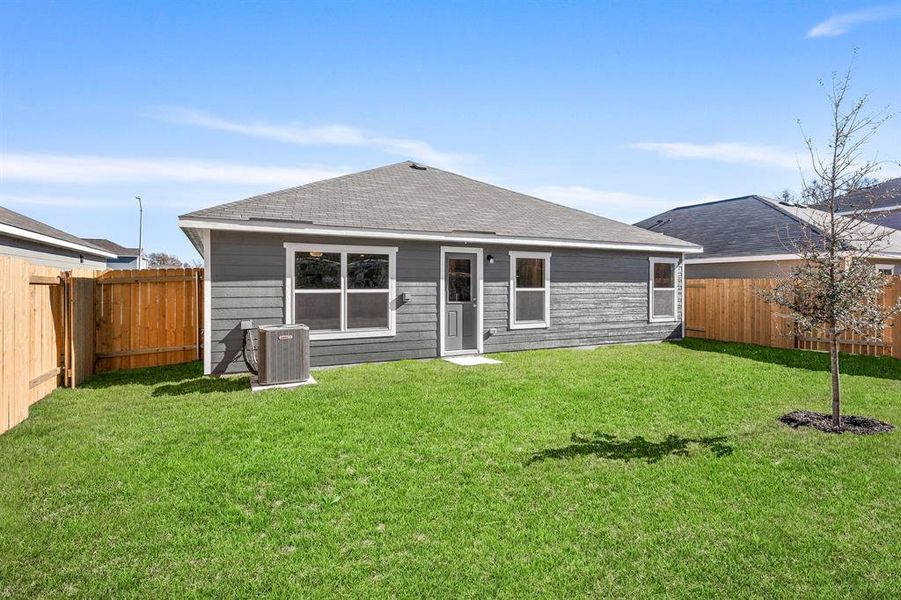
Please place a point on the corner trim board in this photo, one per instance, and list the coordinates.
(207, 305)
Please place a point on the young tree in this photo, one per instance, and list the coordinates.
(159, 260)
(836, 288)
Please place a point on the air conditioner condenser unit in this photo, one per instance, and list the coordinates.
(284, 355)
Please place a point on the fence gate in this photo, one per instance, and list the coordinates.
(147, 318)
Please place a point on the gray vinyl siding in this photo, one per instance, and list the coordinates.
(50, 256)
(596, 297)
(248, 282)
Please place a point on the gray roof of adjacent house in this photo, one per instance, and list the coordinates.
(18, 225)
(882, 196)
(110, 246)
(408, 197)
(745, 226)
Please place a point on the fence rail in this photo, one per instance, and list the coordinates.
(59, 327)
(731, 310)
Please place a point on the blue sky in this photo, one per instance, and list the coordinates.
(624, 109)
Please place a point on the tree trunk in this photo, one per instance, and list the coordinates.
(836, 389)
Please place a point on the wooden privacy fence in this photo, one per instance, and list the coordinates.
(148, 317)
(58, 327)
(46, 334)
(730, 310)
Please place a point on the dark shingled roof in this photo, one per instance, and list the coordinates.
(14, 219)
(409, 197)
(745, 226)
(113, 247)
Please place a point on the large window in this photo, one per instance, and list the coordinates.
(340, 291)
(662, 289)
(530, 290)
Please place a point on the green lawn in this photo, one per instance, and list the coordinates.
(630, 471)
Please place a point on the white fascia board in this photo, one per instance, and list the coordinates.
(736, 259)
(52, 241)
(875, 209)
(299, 229)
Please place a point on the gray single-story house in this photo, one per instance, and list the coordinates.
(751, 237)
(29, 239)
(408, 261)
(126, 258)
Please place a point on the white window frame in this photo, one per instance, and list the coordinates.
(344, 333)
(674, 318)
(546, 257)
(885, 267)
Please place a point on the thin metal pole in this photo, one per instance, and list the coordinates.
(140, 233)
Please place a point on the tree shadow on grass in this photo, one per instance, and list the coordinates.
(882, 367)
(604, 445)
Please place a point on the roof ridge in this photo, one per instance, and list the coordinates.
(745, 197)
(782, 208)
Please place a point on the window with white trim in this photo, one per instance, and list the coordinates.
(530, 290)
(885, 269)
(662, 289)
(341, 291)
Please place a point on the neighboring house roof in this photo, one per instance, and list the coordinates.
(18, 225)
(410, 200)
(745, 227)
(880, 197)
(889, 218)
(110, 246)
(890, 244)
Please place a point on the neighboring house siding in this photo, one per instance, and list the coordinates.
(596, 297)
(127, 262)
(48, 255)
(757, 269)
(739, 270)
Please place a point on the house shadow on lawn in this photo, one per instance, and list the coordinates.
(604, 445)
(204, 385)
(146, 376)
(884, 367)
(170, 380)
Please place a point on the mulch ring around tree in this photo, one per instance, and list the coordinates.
(823, 422)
